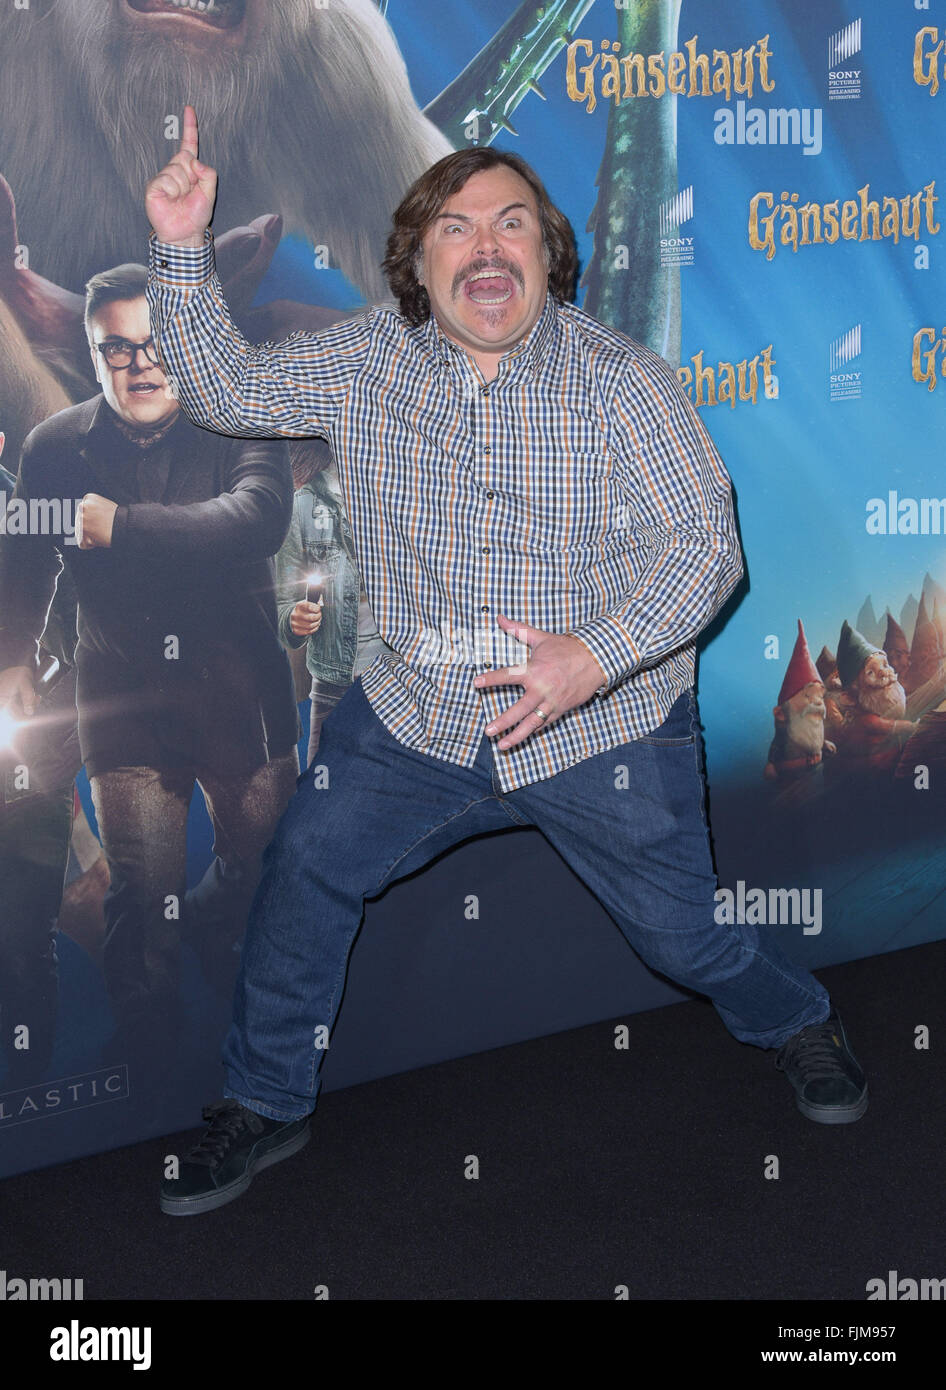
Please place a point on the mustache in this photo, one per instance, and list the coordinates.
(508, 267)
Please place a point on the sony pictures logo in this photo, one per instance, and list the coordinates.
(845, 379)
(676, 248)
(844, 68)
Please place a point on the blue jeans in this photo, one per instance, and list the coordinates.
(638, 840)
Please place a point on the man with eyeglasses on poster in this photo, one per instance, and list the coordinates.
(181, 674)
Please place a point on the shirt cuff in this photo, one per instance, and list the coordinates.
(607, 641)
(184, 267)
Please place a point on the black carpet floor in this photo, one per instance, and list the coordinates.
(599, 1169)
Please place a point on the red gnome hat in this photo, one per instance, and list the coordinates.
(801, 669)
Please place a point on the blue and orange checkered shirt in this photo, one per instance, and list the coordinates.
(578, 492)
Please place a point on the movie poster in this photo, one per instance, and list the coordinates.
(756, 195)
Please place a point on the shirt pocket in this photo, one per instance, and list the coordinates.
(576, 499)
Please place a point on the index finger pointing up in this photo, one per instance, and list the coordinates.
(189, 133)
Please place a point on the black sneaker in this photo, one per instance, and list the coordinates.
(830, 1086)
(220, 1168)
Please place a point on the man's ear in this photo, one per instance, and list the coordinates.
(779, 714)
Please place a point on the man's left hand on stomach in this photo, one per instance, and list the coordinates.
(559, 674)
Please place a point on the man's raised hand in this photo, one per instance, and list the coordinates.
(180, 200)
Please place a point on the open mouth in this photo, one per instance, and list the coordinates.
(218, 14)
(489, 287)
(144, 388)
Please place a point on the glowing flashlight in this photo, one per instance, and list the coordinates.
(8, 728)
(48, 671)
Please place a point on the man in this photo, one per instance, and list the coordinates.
(517, 476)
(180, 672)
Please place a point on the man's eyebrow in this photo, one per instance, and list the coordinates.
(465, 217)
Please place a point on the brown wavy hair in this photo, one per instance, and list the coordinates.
(426, 197)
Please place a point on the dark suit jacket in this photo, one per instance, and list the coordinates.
(178, 658)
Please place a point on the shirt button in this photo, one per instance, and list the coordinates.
(487, 450)
(485, 390)
(484, 608)
(163, 264)
(491, 494)
(485, 549)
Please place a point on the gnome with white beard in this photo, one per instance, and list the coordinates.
(799, 743)
(872, 704)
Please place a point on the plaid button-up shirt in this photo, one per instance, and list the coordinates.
(578, 492)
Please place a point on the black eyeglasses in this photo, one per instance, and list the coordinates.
(119, 352)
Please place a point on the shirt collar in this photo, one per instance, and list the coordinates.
(104, 419)
(533, 350)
